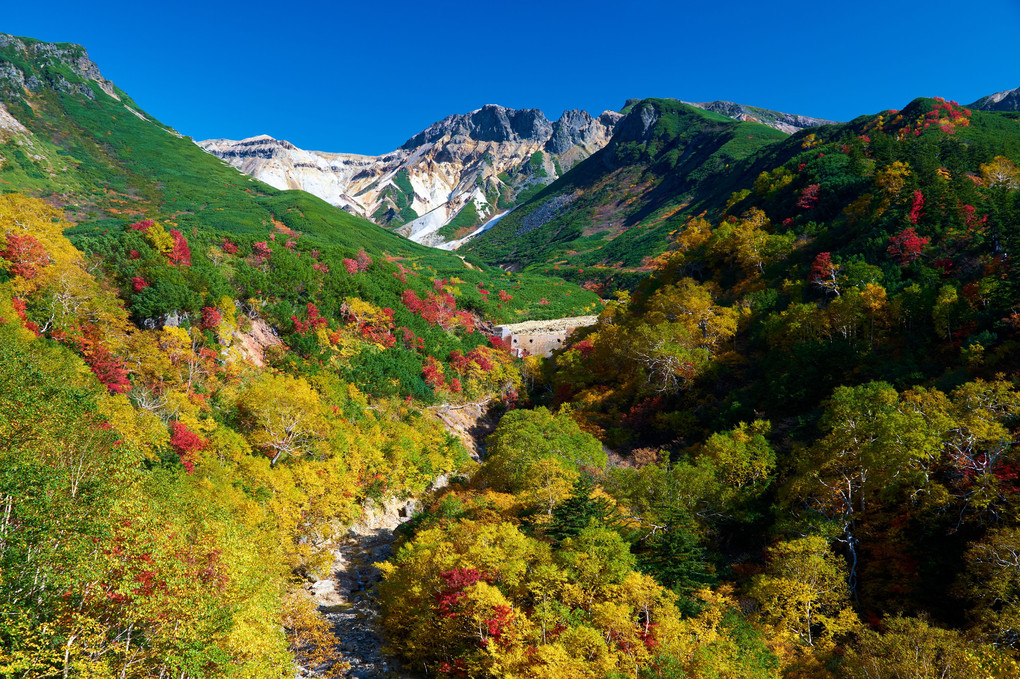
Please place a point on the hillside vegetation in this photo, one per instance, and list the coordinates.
(788, 448)
(816, 393)
(203, 379)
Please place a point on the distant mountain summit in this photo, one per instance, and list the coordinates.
(442, 183)
(445, 182)
(1008, 100)
(489, 123)
(498, 124)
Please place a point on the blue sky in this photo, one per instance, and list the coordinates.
(364, 77)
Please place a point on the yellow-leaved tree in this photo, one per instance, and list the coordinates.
(803, 593)
(285, 417)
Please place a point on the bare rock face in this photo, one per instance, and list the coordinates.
(637, 125)
(9, 124)
(578, 129)
(489, 123)
(1007, 100)
(480, 161)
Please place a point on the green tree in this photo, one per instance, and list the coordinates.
(580, 510)
(873, 444)
(526, 436)
(677, 560)
(992, 583)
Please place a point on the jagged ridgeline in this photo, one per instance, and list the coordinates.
(444, 182)
(666, 160)
(76, 139)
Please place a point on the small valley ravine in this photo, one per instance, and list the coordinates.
(348, 597)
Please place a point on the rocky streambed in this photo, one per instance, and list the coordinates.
(347, 596)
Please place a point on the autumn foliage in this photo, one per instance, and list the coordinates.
(186, 444)
(906, 246)
(108, 369)
(25, 255)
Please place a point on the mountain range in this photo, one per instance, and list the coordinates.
(449, 179)
(443, 184)
(784, 442)
(469, 166)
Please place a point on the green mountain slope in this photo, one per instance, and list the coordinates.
(83, 144)
(666, 160)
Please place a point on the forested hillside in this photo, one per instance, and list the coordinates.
(814, 397)
(203, 379)
(787, 448)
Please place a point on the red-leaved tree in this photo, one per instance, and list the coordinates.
(211, 317)
(186, 444)
(180, 254)
(906, 246)
(25, 254)
(107, 368)
(917, 209)
(809, 197)
(823, 273)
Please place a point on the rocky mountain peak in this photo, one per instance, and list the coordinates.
(474, 166)
(260, 146)
(578, 128)
(490, 123)
(638, 123)
(37, 55)
(1007, 100)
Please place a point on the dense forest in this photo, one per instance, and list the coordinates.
(787, 448)
(815, 394)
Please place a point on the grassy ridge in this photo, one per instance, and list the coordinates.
(110, 167)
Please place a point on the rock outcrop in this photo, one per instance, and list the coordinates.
(484, 162)
(14, 79)
(489, 123)
(578, 129)
(784, 122)
(9, 124)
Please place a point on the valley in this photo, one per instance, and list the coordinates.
(681, 390)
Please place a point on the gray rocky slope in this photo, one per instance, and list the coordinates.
(490, 157)
(1007, 100)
